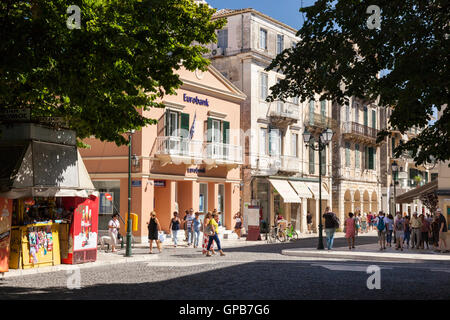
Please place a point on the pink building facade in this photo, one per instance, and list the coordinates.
(190, 159)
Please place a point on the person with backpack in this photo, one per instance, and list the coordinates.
(331, 224)
(380, 224)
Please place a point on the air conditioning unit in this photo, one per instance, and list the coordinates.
(217, 52)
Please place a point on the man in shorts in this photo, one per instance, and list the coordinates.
(442, 230)
(381, 228)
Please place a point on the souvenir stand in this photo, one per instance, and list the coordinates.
(50, 197)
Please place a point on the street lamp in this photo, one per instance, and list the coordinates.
(394, 167)
(128, 248)
(324, 138)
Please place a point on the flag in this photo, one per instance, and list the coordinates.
(191, 132)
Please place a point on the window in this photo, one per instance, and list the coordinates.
(222, 39)
(295, 100)
(264, 86)
(347, 154)
(311, 112)
(203, 198)
(217, 136)
(347, 113)
(294, 144)
(263, 39)
(371, 158)
(280, 43)
(355, 105)
(172, 128)
(357, 156)
(275, 142)
(263, 141)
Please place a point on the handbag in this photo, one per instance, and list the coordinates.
(210, 230)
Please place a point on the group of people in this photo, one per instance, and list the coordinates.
(418, 230)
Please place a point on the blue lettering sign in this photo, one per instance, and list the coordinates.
(196, 100)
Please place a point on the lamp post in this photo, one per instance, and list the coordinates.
(324, 138)
(394, 167)
(128, 248)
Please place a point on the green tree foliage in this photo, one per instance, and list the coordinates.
(99, 78)
(339, 56)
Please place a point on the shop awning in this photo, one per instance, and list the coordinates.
(302, 189)
(314, 187)
(45, 170)
(285, 190)
(408, 197)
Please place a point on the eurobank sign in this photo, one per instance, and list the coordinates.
(196, 100)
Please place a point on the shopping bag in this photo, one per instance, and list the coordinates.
(161, 237)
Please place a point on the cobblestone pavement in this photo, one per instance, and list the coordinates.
(248, 271)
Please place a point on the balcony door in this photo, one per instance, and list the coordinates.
(216, 137)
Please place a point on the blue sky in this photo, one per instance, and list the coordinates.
(285, 11)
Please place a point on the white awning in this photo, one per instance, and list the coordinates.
(285, 190)
(302, 189)
(314, 187)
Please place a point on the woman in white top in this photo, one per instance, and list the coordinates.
(113, 230)
(238, 225)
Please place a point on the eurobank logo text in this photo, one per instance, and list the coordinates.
(195, 100)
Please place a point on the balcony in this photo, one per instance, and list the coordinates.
(316, 122)
(359, 133)
(215, 153)
(177, 150)
(283, 114)
(272, 165)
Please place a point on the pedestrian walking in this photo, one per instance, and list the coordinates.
(399, 228)
(208, 217)
(442, 231)
(424, 230)
(407, 235)
(215, 236)
(174, 226)
(189, 219)
(309, 221)
(381, 227)
(153, 231)
(389, 220)
(364, 223)
(197, 226)
(435, 232)
(370, 218)
(331, 224)
(113, 230)
(350, 230)
(238, 225)
(357, 219)
(416, 235)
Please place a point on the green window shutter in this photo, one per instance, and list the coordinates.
(226, 132)
(209, 130)
(374, 119)
(366, 118)
(311, 112)
(366, 158)
(374, 158)
(371, 162)
(323, 156)
(393, 147)
(426, 177)
(323, 108)
(311, 157)
(184, 125)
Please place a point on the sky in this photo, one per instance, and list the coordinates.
(285, 11)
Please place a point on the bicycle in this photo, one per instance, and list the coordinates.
(291, 234)
(274, 234)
